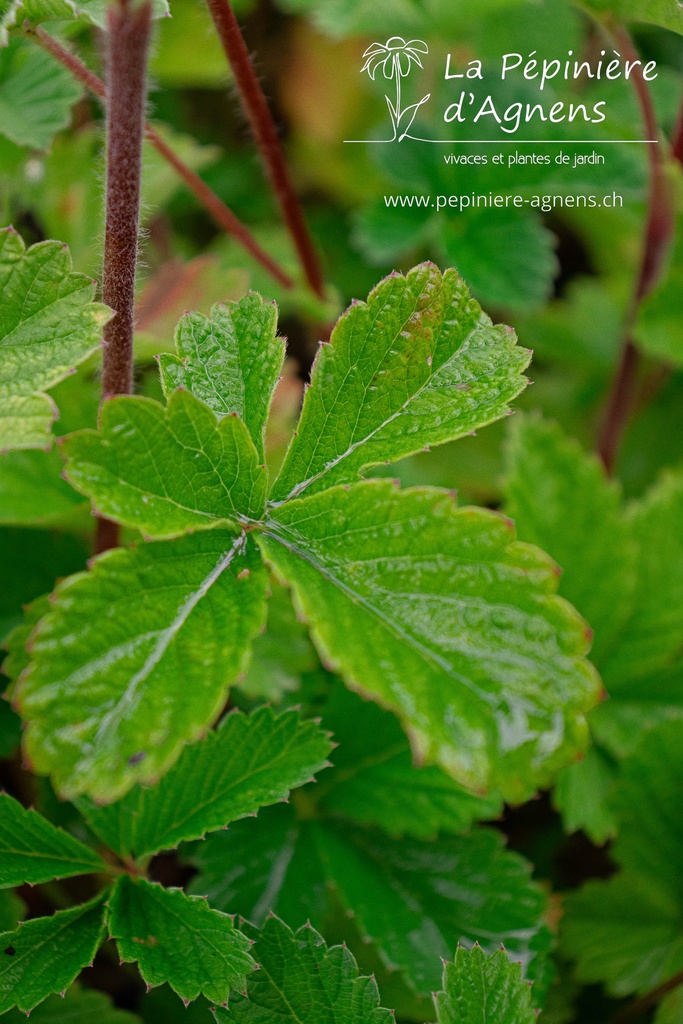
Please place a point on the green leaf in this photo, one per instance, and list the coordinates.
(230, 360)
(281, 654)
(248, 762)
(547, 474)
(300, 980)
(440, 615)
(11, 910)
(94, 11)
(665, 13)
(33, 493)
(480, 989)
(49, 326)
(583, 794)
(178, 939)
(77, 1006)
(32, 850)
(36, 95)
(48, 954)
(374, 782)
(628, 932)
(135, 660)
(167, 470)
(414, 900)
(417, 364)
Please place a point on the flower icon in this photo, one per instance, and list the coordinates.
(395, 58)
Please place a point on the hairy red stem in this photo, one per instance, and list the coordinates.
(265, 133)
(658, 235)
(128, 31)
(222, 214)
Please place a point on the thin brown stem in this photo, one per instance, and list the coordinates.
(639, 1006)
(265, 133)
(222, 214)
(128, 31)
(658, 235)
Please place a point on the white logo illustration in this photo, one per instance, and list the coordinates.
(396, 58)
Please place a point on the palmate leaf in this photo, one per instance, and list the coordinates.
(230, 360)
(418, 364)
(439, 614)
(33, 850)
(135, 659)
(374, 781)
(36, 95)
(480, 989)
(77, 1006)
(627, 932)
(167, 471)
(49, 325)
(414, 900)
(46, 954)
(248, 762)
(178, 939)
(300, 981)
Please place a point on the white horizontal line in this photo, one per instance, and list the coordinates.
(515, 142)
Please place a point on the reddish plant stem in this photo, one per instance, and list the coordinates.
(658, 235)
(265, 133)
(128, 31)
(639, 1006)
(223, 215)
(677, 140)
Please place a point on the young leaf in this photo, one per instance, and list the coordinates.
(47, 954)
(49, 326)
(437, 613)
(561, 499)
(32, 850)
(230, 360)
(77, 1006)
(414, 900)
(627, 932)
(248, 762)
(301, 980)
(36, 95)
(417, 364)
(167, 471)
(135, 660)
(374, 781)
(178, 939)
(481, 989)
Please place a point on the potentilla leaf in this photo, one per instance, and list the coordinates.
(178, 939)
(561, 499)
(49, 325)
(76, 1006)
(414, 900)
(481, 989)
(36, 94)
(231, 360)
(627, 932)
(418, 364)
(33, 850)
(248, 762)
(374, 781)
(440, 615)
(47, 954)
(135, 660)
(167, 470)
(300, 979)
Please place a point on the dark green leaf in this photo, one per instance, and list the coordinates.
(178, 939)
(48, 954)
(32, 850)
(248, 762)
(300, 981)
